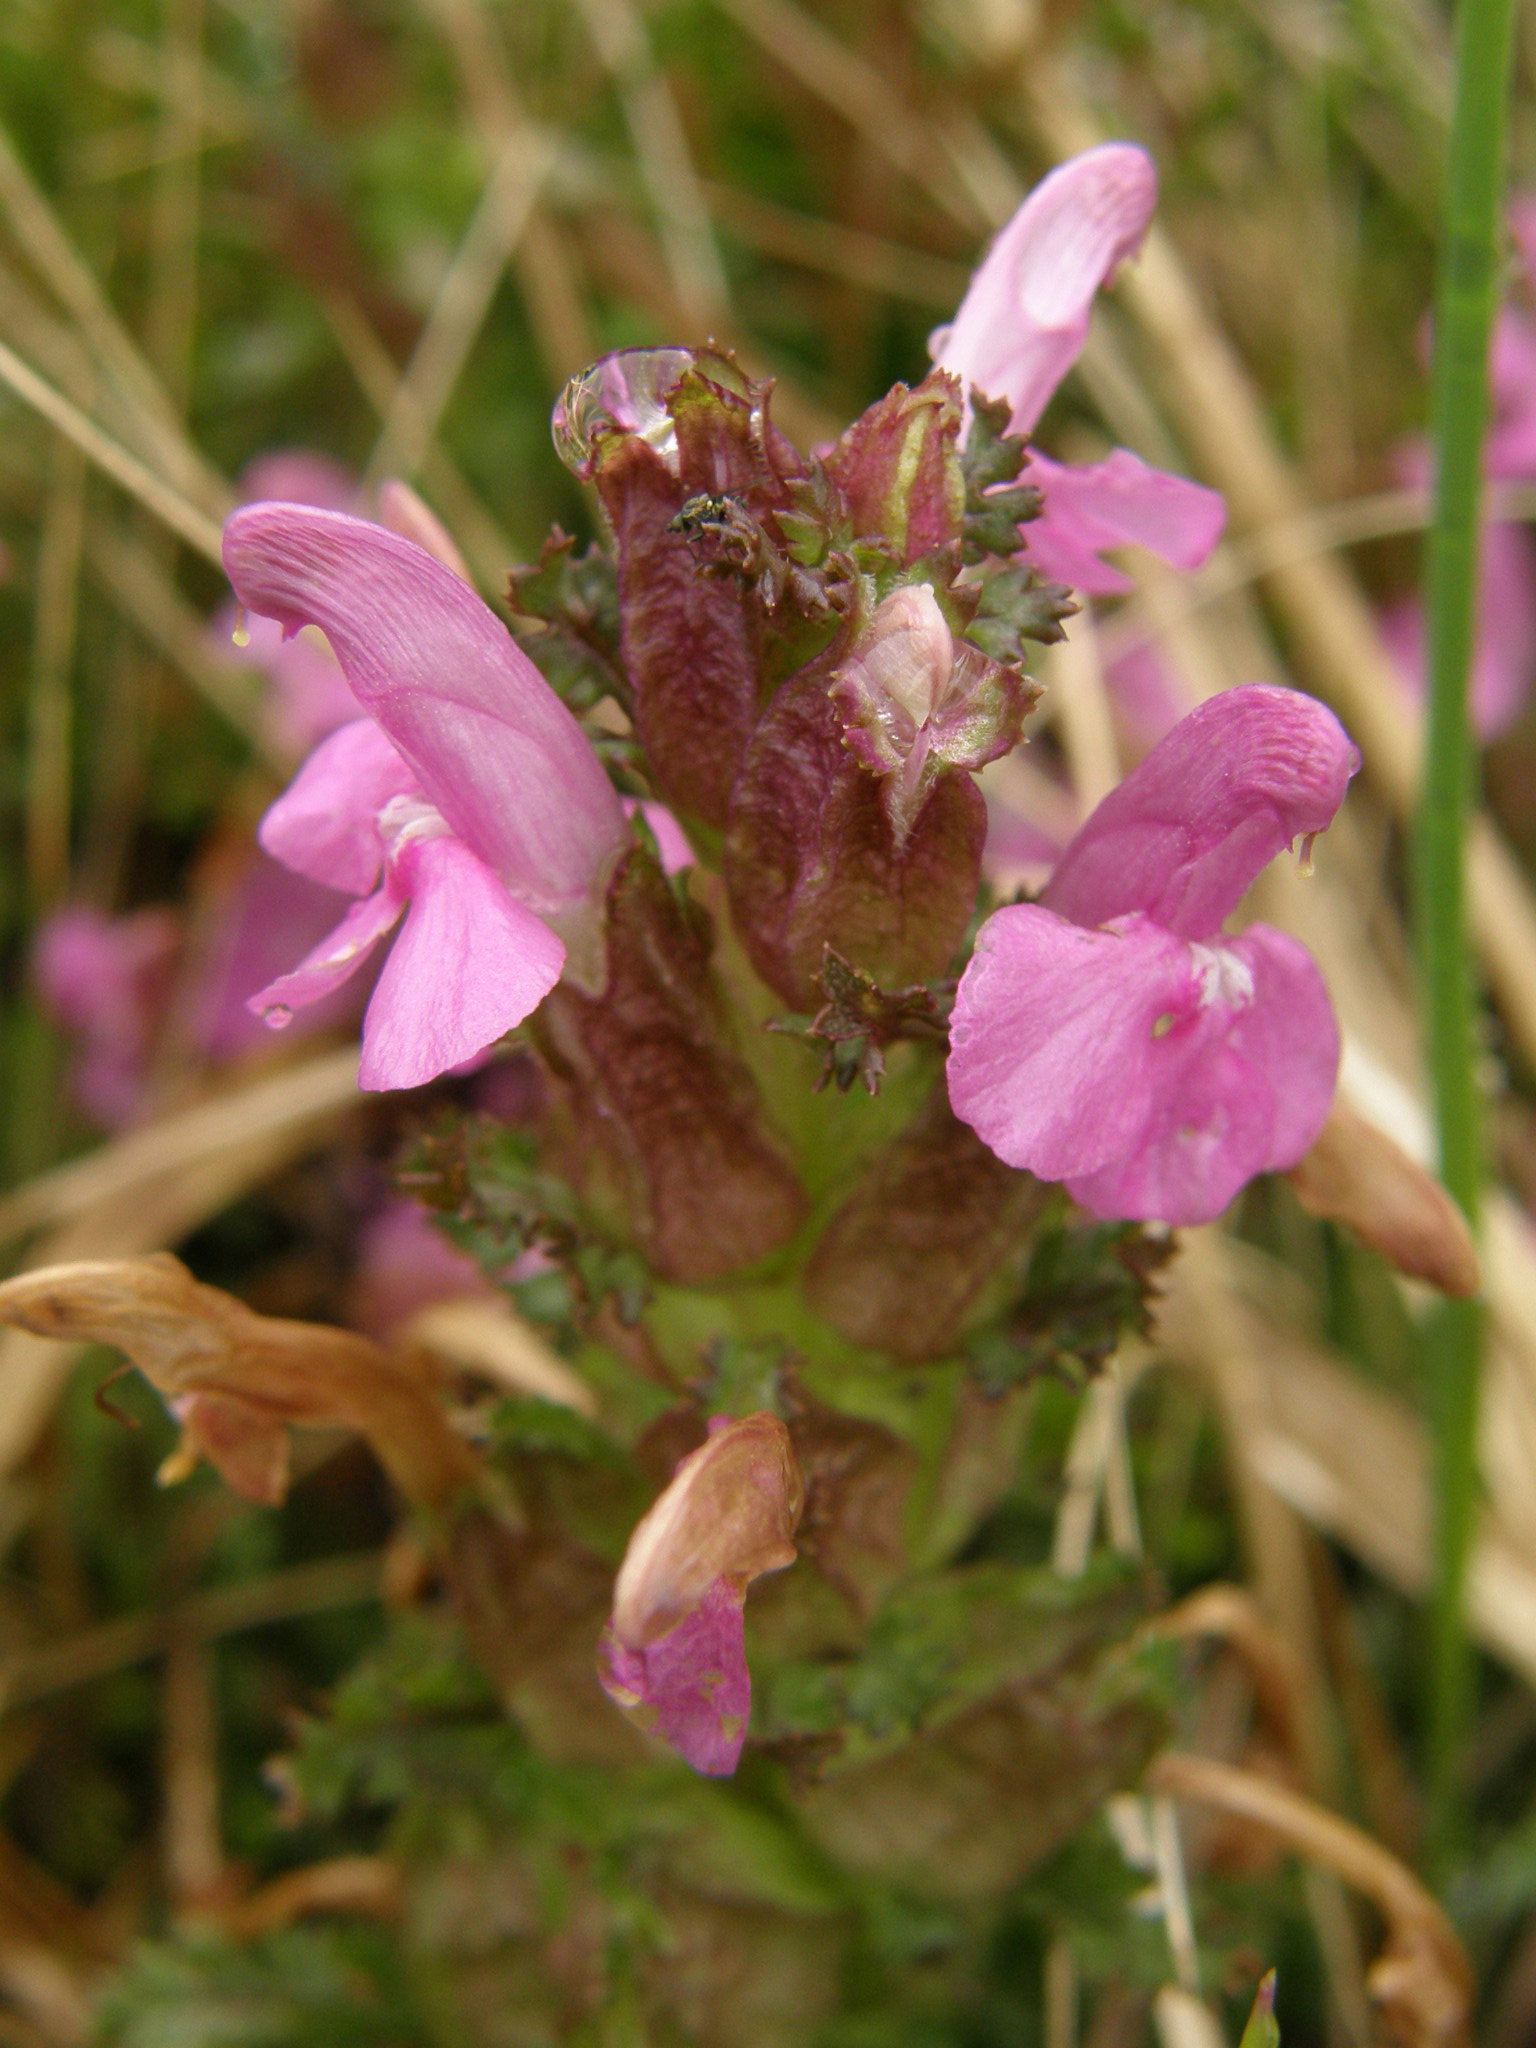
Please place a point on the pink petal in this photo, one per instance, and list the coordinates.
(1504, 650)
(404, 1264)
(1244, 1088)
(1147, 696)
(470, 963)
(1290, 1035)
(300, 477)
(1015, 843)
(1024, 318)
(105, 981)
(1504, 655)
(309, 696)
(324, 825)
(1053, 1060)
(491, 743)
(1116, 503)
(403, 512)
(1188, 829)
(262, 918)
(671, 839)
(333, 961)
(1209, 1134)
(691, 1686)
(103, 976)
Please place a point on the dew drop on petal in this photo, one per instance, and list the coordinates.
(278, 1017)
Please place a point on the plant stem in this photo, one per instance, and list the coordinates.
(1464, 302)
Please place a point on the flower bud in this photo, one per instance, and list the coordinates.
(673, 1656)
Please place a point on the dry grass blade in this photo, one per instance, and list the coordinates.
(1250, 558)
(167, 504)
(834, 74)
(318, 1588)
(172, 314)
(661, 144)
(146, 595)
(192, 1849)
(463, 300)
(1350, 1459)
(544, 263)
(369, 1885)
(1232, 1616)
(847, 254)
(488, 1338)
(161, 435)
(237, 1379)
(299, 1099)
(53, 652)
(488, 547)
(1422, 1978)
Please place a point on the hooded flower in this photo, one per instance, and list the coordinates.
(673, 1656)
(469, 793)
(1110, 1035)
(1020, 328)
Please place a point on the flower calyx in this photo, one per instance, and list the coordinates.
(859, 1019)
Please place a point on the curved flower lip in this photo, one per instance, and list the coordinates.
(1187, 831)
(729, 1511)
(1024, 318)
(489, 741)
(323, 825)
(469, 963)
(1109, 1036)
(1119, 502)
(1154, 1077)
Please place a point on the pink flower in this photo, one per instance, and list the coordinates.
(251, 922)
(405, 1264)
(673, 1656)
(1504, 647)
(1504, 642)
(309, 694)
(1110, 1035)
(104, 981)
(469, 793)
(1020, 328)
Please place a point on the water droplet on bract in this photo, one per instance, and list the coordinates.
(627, 393)
(242, 632)
(278, 1017)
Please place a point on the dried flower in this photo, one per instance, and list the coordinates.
(673, 1656)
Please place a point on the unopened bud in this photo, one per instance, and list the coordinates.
(910, 651)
